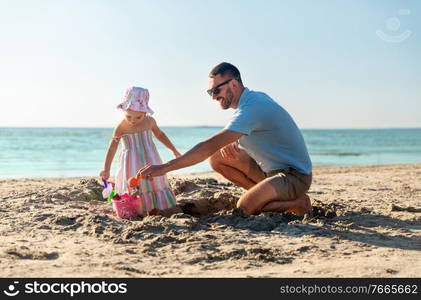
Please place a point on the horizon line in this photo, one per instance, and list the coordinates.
(204, 126)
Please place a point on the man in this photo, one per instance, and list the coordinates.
(261, 149)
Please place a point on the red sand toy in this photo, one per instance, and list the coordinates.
(134, 181)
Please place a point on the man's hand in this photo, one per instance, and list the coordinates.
(230, 151)
(152, 171)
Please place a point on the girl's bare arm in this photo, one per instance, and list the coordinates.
(112, 149)
(162, 137)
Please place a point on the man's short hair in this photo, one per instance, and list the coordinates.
(226, 68)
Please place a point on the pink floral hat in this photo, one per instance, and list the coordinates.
(137, 99)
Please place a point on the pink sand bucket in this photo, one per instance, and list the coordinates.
(126, 207)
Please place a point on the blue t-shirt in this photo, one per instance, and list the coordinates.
(271, 136)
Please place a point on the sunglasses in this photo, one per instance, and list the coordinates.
(216, 90)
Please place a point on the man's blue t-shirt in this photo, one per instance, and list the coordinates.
(271, 136)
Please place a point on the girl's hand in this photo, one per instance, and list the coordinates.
(176, 153)
(104, 174)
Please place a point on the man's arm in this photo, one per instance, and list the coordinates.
(195, 155)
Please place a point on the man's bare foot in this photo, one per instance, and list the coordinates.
(303, 206)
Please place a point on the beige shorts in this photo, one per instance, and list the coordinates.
(288, 183)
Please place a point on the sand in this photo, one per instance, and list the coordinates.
(367, 224)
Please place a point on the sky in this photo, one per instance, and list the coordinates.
(330, 64)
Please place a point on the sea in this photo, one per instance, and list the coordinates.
(74, 152)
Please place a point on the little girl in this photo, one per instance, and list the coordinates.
(138, 150)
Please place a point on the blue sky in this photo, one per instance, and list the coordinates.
(67, 63)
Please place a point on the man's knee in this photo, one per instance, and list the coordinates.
(215, 161)
(246, 206)
(247, 209)
(257, 197)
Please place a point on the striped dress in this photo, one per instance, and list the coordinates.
(137, 151)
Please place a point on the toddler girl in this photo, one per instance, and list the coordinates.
(134, 133)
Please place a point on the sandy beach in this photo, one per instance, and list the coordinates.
(367, 223)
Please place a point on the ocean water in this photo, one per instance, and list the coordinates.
(68, 152)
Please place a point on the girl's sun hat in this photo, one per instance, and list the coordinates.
(137, 99)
